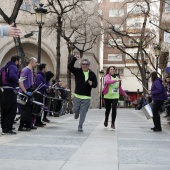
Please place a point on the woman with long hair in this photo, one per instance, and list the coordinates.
(158, 96)
(112, 90)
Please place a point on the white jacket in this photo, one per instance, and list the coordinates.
(3, 30)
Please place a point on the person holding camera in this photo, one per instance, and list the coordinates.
(9, 31)
(112, 90)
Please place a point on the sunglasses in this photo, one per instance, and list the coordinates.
(85, 64)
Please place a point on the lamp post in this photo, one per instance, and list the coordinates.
(101, 83)
(147, 77)
(157, 50)
(40, 18)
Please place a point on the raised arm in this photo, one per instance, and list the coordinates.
(70, 66)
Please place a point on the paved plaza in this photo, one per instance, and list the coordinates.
(133, 146)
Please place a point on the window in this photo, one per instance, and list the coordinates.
(135, 71)
(120, 71)
(116, 0)
(139, 57)
(111, 42)
(128, 57)
(116, 12)
(167, 6)
(133, 43)
(100, 12)
(114, 57)
(136, 22)
(137, 8)
(166, 37)
(28, 4)
(118, 27)
(100, 1)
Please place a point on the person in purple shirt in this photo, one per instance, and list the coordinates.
(158, 96)
(26, 110)
(40, 79)
(8, 96)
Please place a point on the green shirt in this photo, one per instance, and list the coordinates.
(113, 91)
(86, 75)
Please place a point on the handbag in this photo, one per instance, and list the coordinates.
(147, 109)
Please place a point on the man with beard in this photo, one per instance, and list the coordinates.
(40, 79)
(8, 95)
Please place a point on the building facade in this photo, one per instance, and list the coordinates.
(27, 23)
(126, 17)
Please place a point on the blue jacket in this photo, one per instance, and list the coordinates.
(40, 78)
(12, 75)
(157, 90)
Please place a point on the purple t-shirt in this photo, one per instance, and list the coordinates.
(28, 73)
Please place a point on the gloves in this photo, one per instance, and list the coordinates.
(28, 93)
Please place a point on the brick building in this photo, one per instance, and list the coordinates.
(126, 18)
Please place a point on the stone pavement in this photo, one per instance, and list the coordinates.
(133, 146)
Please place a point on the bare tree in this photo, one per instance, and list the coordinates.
(57, 9)
(11, 20)
(81, 29)
(136, 35)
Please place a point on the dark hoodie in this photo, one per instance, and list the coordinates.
(82, 86)
(157, 90)
(12, 75)
(40, 78)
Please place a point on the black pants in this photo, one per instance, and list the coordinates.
(8, 109)
(39, 98)
(111, 104)
(156, 117)
(26, 115)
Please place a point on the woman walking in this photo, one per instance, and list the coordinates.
(112, 90)
(158, 93)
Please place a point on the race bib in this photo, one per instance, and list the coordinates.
(114, 90)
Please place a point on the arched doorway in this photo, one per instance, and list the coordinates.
(30, 51)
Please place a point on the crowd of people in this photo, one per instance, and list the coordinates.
(31, 110)
(36, 86)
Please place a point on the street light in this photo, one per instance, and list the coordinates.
(157, 50)
(147, 77)
(40, 18)
(101, 81)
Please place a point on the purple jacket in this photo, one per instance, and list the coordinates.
(28, 73)
(40, 78)
(157, 90)
(12, 74)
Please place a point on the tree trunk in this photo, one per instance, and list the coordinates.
(20, 51)
(59, 30)
(69, 81)
(81, 54)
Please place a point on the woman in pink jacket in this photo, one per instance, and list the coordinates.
(112, 90)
